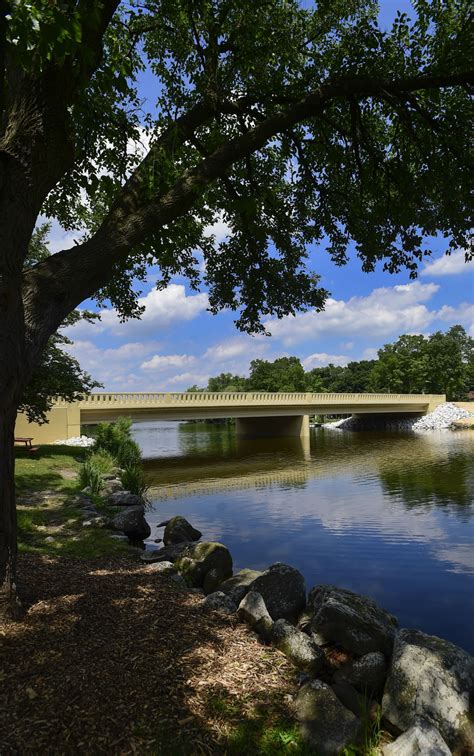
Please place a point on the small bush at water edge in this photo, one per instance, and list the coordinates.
(91, 475)
(133, 480)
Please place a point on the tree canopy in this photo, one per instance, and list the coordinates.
(344, 133)
(442, 363)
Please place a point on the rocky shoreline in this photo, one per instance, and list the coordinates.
(354, 662)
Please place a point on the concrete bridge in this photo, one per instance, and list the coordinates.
(257, 413)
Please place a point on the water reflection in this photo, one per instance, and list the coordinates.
(389, 515)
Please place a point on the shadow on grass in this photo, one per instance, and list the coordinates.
(41, 470)
(114, 659)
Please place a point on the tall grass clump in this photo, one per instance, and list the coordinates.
(133, 480)
(91, 475)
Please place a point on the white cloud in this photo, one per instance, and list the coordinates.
(184, 380)
(448, 265)
(220, 229)
(237, 347)
(463, 314)
(321, 359)
(162, 309)
(161, 362)
(383, 312)
(370, 353)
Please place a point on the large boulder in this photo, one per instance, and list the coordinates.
(125, 499)
(354, 621)
(166, 554)
(252, 610)
(367, 674)
(179, 530)
(325, 723)
(220, 602)
(132, 522)
(297, 647)
(283, 590)
(420, 740)
(237, 586)
(431, 679)
(198, 559)
(110, 487)
(162, 568)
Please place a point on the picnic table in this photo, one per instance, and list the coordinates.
(27, 441)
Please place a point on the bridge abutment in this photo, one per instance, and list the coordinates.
(273, 426)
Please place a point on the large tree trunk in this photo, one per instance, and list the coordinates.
(10, 606)
(14, 369)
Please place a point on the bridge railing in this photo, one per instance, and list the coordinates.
(149, 398)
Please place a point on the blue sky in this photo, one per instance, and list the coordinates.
(178, 343)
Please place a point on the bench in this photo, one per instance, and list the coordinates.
(27, 441)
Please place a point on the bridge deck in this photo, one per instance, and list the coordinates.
(253, 404)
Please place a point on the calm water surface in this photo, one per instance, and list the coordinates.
(388, 515)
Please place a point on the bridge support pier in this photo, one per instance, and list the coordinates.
(273, 426)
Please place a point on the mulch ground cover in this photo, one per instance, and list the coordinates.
(112, 658)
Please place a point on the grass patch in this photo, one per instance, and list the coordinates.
(258, 735)
(49, 522)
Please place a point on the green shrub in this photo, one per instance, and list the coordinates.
(133, 480)
(115, 447)
(103, 461)
(110, 436)
(128, 453)
(91, 475)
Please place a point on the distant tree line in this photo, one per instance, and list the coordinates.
(442, 363)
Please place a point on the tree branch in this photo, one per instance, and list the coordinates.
(59, 284)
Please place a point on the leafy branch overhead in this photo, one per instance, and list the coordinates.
(291, 125)
(57, 374)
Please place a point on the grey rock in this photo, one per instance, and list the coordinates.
(324, 722)
(420, 740)
(179, 581)
(132, 522)
(354, 621)
(431, 679)
(220, 602)
(212, 581)
(179, 530)
(352, 699)
(96, 522)
(252, 610)
(119, 536)
(110, 476)
(111, 487)
(49, 539)
(82, 500)
(162, 568)
(86, 490)
(166, 554)
(367, 674)
(237, 586)
(282, 588)
(297, 647)
(163, 524)
(198, 559)
(125, 499)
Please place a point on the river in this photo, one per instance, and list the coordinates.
(389, 515)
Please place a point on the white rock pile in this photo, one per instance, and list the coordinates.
(84, 441)
(443, 417)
